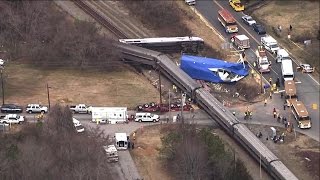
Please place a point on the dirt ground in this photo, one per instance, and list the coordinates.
(25, 84)
(298, 152)
(145, 155)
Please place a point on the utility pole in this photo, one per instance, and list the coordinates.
(48, 92)
(160, 89)
(261, 82)
(169, 105)
(2, 86)
(183, 98)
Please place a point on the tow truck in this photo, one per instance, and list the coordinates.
(236, 5)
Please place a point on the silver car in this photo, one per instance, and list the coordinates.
(248, 20)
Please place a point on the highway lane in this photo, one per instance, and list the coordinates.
(308, 89)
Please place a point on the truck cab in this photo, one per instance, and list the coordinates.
(282, 54)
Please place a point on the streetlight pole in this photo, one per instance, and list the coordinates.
(2, 86)
(48, 92)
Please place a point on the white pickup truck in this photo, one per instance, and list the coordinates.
(36, 108)
(81, 108)
(12, 119)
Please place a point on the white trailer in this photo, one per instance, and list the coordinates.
(111, 115)
(287, 69)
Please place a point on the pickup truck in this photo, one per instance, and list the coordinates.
(36, 108)
(12, 119)
(81, 108)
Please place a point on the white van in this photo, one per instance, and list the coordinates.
(287, 69)
(190, 2)
(282, 54)
(146, 117)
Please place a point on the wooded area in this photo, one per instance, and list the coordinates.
(54, 150)
(191, 153)
(37, 32)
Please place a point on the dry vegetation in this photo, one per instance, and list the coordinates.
(53, 150)
(26, 84)
(35, 31)
(304, 18)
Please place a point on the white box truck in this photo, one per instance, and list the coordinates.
(270, 44)
(241, 41)
(282, 54)
(111, 115)
(287, 69)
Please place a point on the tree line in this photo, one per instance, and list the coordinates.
(37, 31)
(198, 154)
(54, 150)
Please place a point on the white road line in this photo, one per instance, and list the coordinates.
(294, 60)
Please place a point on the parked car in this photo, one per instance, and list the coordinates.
(11, 108)
(248, 20)
(306, 68)
(36, 108)
(78, 126)
(11, 119)
(259, 28)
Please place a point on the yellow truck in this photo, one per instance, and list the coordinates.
(236, 5)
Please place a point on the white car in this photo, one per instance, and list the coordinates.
(248, 20)
(306, 68)
(12, 119)
(78, 125)
(36, 108)
(1, 62)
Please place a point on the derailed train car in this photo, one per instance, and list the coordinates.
(214, 108)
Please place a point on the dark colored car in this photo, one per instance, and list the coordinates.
(11, 108)
(259, 28)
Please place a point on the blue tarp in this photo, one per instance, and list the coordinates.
(202, 68)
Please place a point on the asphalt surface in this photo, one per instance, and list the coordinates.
(308, 89)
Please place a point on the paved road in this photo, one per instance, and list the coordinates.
(308, 90)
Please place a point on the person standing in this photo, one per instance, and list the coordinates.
(134, 135)
(270, 81)
(284, 105)
(290, 28)
(278, 82)
(265, 102)
(274, 112)
(270, 95)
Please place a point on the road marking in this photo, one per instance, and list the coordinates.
(207, 23)
(295, 61)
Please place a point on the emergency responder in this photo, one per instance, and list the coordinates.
(274, 113)
(265, 102)
(270, 81)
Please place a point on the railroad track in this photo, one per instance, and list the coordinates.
(105, 23)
